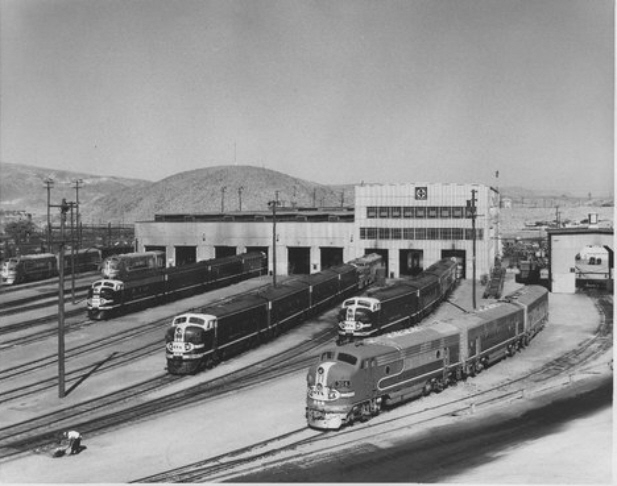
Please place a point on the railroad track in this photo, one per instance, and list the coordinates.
(119, 408)
(283, 448)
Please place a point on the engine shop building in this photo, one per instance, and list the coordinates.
(410, 225)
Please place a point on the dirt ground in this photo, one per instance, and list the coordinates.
(581, 453)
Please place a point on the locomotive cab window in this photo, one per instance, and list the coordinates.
(347, 358)
(328, 355)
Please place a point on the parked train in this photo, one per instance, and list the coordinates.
(398, 306)
(205, 336)
(355, 381)
(130, 266)
(150, 284)
(40, 266)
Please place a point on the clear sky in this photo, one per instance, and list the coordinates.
(333, 91)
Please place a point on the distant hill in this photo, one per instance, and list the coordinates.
(117, 200)
(200, 191)
(22, 187)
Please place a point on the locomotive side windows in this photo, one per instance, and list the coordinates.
(328, 355)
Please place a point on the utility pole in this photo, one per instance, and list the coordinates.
(471, 211)
(49, 183)
(77, 182)
(64, 208)
(273, 204)
(223, 189)
(240, 189)
(72, 205)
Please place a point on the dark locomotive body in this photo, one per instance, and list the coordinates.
(108, 297)
(398, 306)
(356, 380)
(216, 332)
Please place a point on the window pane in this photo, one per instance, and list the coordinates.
(408, 212)
(457, 212)
(420, 233)
(432, 212)
(408, 233)
(384, 212)
(396, 212)
(371, 212)
(432, 234)
(396, 233)
(445, 212)
(420, 212)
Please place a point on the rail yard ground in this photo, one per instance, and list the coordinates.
(579, 452)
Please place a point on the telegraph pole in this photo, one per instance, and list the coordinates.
(240, 189)
(64, 208)
(471, 211)
(273, 204)
(77, 182)
(223, 189)
(49, 183)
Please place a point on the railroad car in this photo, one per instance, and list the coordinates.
(203, 337)
(355, 381)
(110, 296)
(398, 306)
(29, 268)
(368, 266)
(129, 266)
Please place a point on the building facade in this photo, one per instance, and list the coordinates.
(410, 225)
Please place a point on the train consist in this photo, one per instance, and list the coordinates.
(355, 381)
(398, 306)
(29, 268)
(139, 280)
(205, 336)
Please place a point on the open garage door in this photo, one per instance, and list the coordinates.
(411, 262)
(299, 259)
(383, 254)
(460, 260)
(330, 257)
(185, 255)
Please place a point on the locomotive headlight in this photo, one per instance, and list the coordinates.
(170, 347)
(188, 347)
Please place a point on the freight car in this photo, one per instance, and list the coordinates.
(150, 285)
(29, 268)
(205, 336)
(355, 381)
(398, 306)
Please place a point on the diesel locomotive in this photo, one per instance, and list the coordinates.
(202, 338)
(355, 381)
(29, 268)
(149, 284)
(130, 266)
(398, 306)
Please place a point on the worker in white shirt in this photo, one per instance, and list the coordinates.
(74, 439)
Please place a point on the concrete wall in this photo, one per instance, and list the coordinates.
(206, 236)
